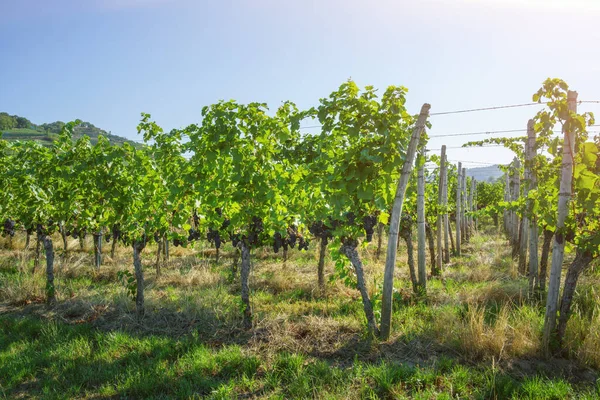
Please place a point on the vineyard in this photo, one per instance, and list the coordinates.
(242, 257)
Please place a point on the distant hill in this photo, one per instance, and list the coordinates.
(14, 127)
(485, 174)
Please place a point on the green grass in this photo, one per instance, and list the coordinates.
(46, 139)
(21, 131)
(52, 360)
(473, 336)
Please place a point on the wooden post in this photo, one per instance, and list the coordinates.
(390, 261)
(533, 227)
(50, 288)
(97, 249)
(422, 273)
(445, 221)
(515, 192)
(464, 209)
(440, 215)
(138, 246)
(558, 249)
(472, 205)
(458, 207)
(524, 234)
(506, 214)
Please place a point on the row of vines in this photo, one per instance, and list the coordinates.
(254, 178)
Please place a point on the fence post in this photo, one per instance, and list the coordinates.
(473, 207)
(533, 227)
(390, 261)
(422, 272)
(440, 214)
(458, 207)
(506, 214)
(524, 237)
(464, 209)
(558, 249)
(446, 221)
(516, 192)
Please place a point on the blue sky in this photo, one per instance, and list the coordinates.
(106, 61)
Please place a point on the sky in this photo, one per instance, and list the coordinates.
(106, 61)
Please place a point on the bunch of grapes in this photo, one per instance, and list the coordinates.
(320, 230)
(292, 236)
(255, 229)
(302, 243)
(278, 242)
(213, 236)
(235, 239)
(225, 224)
(76, 233)
(369, 223)
(116, 232)
(193, 235)
(9, 227)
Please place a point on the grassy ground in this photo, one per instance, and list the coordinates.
(475, 335)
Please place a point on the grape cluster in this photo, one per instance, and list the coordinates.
(294, 236)
(235, 239)
(302, 243)
(214, 237)
(369, 223)
(321, 230)
(9, 227)
(193, 235)
(76, 233)
(116, 232)
(279, 242)
(254, 231)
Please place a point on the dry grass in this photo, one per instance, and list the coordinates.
(485, 335)
(582, 338)
(478, 309)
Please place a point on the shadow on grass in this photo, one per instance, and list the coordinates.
(54, 360)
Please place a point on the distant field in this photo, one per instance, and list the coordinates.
(22, 131)
(46, 139)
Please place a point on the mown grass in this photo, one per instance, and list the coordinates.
(48, 359)
(475, 334)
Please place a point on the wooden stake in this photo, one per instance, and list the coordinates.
(558, 249)
(421, 258)
(464, 223)
(446, 221)
(533, 227)
(458, 208)
(514, 196)
(440, 216)
(390, 261)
